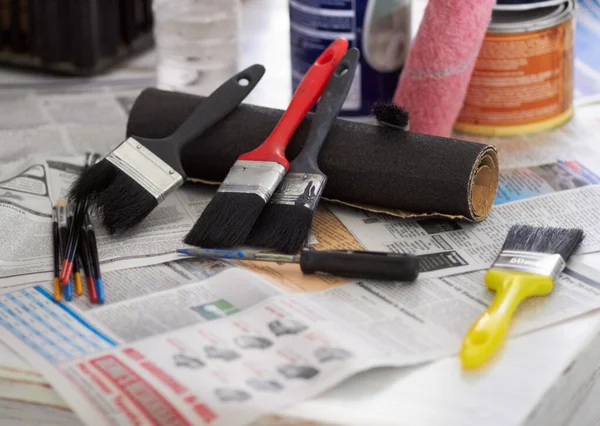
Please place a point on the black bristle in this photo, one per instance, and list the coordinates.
(226, 221)
(123, 204)
(282, 227)
(92, 181)
(543, 240)
(391, 115)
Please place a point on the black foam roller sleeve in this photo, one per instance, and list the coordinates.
(365, 164)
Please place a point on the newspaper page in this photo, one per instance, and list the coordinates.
(448, 247)
(329, 234)
(231, 348)
(29, 189)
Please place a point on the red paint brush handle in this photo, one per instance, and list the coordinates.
(305, 97)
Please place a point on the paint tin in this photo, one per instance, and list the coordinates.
(380, 29)
(525, 4)
(523, 77)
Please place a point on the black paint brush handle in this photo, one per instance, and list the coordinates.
(219, 104)
(330, 104)
(361, 264)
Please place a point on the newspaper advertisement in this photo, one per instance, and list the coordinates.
(448, 247)
(231, 347)
(525, 182)
(29, 189)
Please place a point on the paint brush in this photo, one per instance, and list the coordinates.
(78, 217)
(87, 263)
(139, 174)
(391, 115)
(76, 272)
(343, 263)
(56, 256)
(230, 215)
(95, 258)
(529, 262)
(285, 222)
(63, 235)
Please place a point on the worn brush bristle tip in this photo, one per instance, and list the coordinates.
(124, 203)
(544, 240)
(282, 227)
(92, 181)
(391, 115)
(226, 221)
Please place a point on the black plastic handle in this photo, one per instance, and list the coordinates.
(361, 264)
(330, 104)
(217, 106)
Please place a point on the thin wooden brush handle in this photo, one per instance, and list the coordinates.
(217, 106)
(305, 97)
(330, 104)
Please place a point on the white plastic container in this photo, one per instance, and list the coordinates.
(197, 43)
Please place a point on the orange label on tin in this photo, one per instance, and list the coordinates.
(521, 78)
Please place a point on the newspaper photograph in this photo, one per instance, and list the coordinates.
(217, 344)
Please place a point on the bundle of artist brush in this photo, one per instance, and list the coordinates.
(74, 243)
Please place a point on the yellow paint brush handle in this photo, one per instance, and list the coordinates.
(487, 333)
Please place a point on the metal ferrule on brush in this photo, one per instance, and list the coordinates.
(300, 189)
(147, 169)
(253, 177)
(545, 264)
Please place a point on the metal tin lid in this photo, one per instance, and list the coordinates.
(525, 4)
(513, 21)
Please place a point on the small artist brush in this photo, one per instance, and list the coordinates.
(79, 212)
(76, 272)
(56, 255)
(529, 262)
(87, 263)
(230, 215)
(93, 247)
(140, 173)
(63, 235)
(285, 222)
(343, 263)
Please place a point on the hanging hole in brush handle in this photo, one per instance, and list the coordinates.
(330, 104)
(487, 334)
(225, 99)
(306, 95)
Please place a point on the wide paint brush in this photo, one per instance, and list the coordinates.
(230, 215)
(285, 222)
(135, 177)
(529, 262)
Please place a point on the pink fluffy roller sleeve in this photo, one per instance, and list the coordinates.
(439, 65)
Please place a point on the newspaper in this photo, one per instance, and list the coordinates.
(328, 234)
(29, 189)
(447, 247)
(525, 182)
(232, 347)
